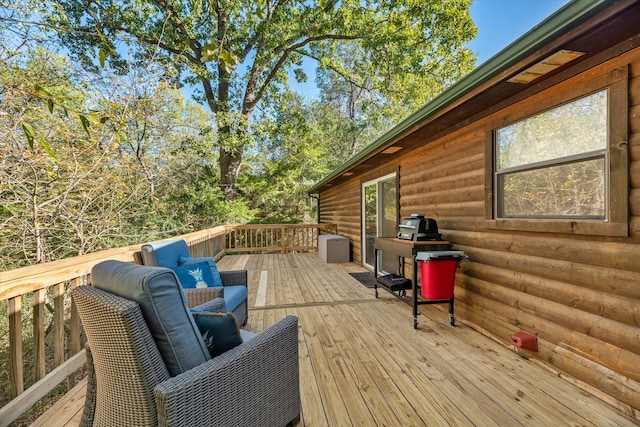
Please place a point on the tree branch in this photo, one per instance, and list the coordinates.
(250, 104)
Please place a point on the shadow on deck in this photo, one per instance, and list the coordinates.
(362, 363)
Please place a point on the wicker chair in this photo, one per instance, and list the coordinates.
(167, 253)
(254, 384)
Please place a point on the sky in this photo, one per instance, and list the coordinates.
(499, 23)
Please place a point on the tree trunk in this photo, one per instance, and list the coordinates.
(229, 169)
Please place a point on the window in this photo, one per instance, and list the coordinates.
(560, 163)
(553, 164)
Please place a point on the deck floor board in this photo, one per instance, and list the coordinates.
(363, 363)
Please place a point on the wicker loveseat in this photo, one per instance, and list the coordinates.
(148, 364)
(173, 253)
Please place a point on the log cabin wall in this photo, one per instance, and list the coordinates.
(342, 205)
(578, 293)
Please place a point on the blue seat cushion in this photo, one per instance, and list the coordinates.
(217, 280)
(164, 308)
(234, 296)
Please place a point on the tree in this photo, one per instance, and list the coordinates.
(290, 155)
(84, 170)
(236, 53)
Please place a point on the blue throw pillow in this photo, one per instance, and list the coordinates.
(220, 331)
(217, 280)
(194, 275)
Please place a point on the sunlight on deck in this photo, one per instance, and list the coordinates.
(362, 363)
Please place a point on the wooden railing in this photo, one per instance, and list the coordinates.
(45, 290)
(275, 238)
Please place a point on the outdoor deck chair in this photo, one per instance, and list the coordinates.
(149, 365)
(230, 285)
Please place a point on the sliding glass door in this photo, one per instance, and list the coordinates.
(380, 219)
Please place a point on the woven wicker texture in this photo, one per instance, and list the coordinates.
(229, 278)
(167, 253)
(89, 410)
(197, 296)
(254, 384)
(237, 278)
(213, 306)
(126, 360)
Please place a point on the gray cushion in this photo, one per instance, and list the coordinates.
(164, 307)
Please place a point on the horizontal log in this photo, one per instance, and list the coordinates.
(634, 202)
(471, 194)
(573, 297)
(472, 208)
(479, 320)
(590, 333)
(461, 222)
(634, 90)
(634, 148)
(502, 320)
(634, 174)
(634, 119)
(625, 389)
(453, 145)
(606, 280)
(427, 168)
(459, 182)
(499, 329)
(634, 228)
(602, 253)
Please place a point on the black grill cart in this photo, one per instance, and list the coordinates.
(408, 250)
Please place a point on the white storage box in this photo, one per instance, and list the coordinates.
(333, 248)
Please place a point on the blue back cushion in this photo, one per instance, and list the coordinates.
(164, 254)
(220, 331)
(194, 275)
(164, 308)
(186, 260)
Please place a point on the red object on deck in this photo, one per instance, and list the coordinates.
(438, 277)
(525, 340)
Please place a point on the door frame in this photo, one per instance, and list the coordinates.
(377, 182)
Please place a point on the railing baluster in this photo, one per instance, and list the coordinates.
(38, 334)
(16, 373)
(58, 324)
(284, 239)
(277, 237)
(75, 329)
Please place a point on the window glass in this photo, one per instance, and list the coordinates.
(574, 128)
(554, 164)
(380, 220)
(569, 190)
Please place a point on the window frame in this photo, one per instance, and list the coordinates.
(616, 221)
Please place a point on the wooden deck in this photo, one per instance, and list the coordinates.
(362, 363)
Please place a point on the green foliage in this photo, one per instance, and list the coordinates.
(105, 173)
(291, 154)
(110, 119)
(238, 55)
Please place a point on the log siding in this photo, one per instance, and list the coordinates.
(577, 289)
